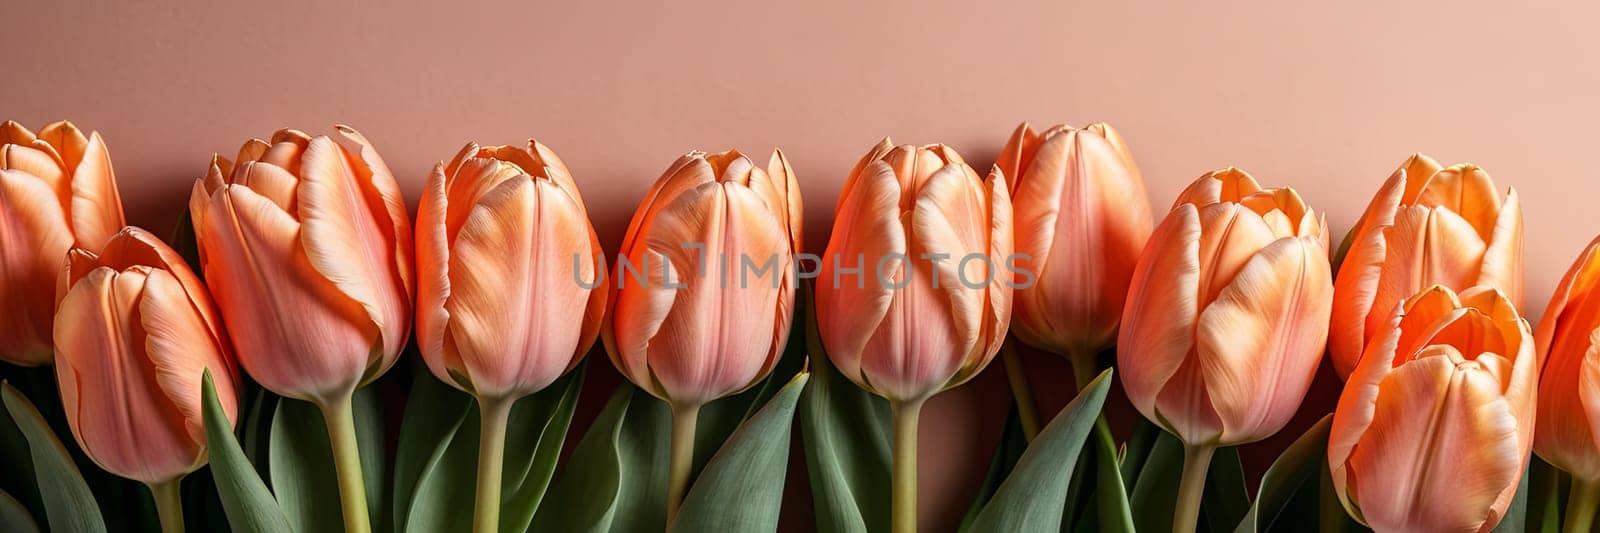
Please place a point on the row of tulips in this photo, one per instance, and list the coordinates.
(1220, 314)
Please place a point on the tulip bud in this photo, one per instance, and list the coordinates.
(1081, 219)
(703, 290)
(57, 192)
(307, 247)
(135, 333)
(914, 295)
(1435, 424)
(506, 256)
(1227, 314)
(1426, 226)
(1569, 386)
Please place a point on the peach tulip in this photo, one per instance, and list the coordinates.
(57, 192)
(511, 295)
(1081, 219)
(135, 334)
(703, 290)
(1426, 226)
(914, 293)
(1568, 343)
(1226, 320)
(507, 259)
(306, 245)
(1435, 424)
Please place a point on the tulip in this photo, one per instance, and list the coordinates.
(704, 287)
(1426, 226)
(134, 336)
(1226, 320)
(912, 298)
(505, 254)
(1435, 424)
(57, 192)
(1082, 217)
(306, 245)
(1568, 344)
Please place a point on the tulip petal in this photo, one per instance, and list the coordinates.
(1425, 247)
(181, 346)
(867, 229)
(1441, 449)
(1356, 286)
(96, 204)
(1569, 400)
(383, 196)
(1231, 234)
(33, 242)
(1502, 262)
(1163, 306)
(685, 174)
(1260, 342)
(433, 273)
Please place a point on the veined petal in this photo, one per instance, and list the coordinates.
(33, 241)
(1230, 235)
(1425, 247)
(1502, 260)
(851, 306)
(1569, 400)
(96, 204)
(1466, 190)
(181, 346)
(1163, 307)
(433, 273)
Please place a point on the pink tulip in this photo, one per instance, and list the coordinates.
(505, 252)
(1436, 423)
(306, 245)
(135, 335)
(1082, 219)
(1427, 225)
(57, 192)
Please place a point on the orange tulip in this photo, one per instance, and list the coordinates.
(306, 245)
(1568, 343)
(135, 333)
(1082, 219)
(1426, 226)
(1226, 320)
(57, 192)
(885, 323)
(703, 291)
(914, 293)
(505, 252)
(1227, 314)
(1435, 424)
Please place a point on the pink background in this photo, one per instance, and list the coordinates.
(1325, 99)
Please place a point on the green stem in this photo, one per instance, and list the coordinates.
(1083, 368)
(169, 504)
(1196, 461)
(903, 505)
(492, 413)
(1581, 505)
(341, 421)
(1027, 412)
(683, 424)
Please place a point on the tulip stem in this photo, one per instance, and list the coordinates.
(493, 414)
(1196, 461)
(683, 425)
(169, 504)
(903, 504)
(1581, 505)
(341, 421)
(1082, 366)
(1027, 412)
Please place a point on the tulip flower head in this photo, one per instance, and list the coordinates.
(1227, 314)
(1081, 219)
(703, 291)
(306, 245)
(1436, 423)
(1568, 343)
(135, 333)
(57, 192)
(506, 254)
(1426, 226)
(913, 297)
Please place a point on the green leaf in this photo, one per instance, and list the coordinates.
(245, 498)
(1137, 450)
(1006, 454)
(1111, 512)
(302, 467)
(1545, 496)
(436, 464)
(1296, 469)
(1033, 497)
(846, 436)
(14, 517)
(1226, 499)
(69, 504)
(741, 488)
(616, 478)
